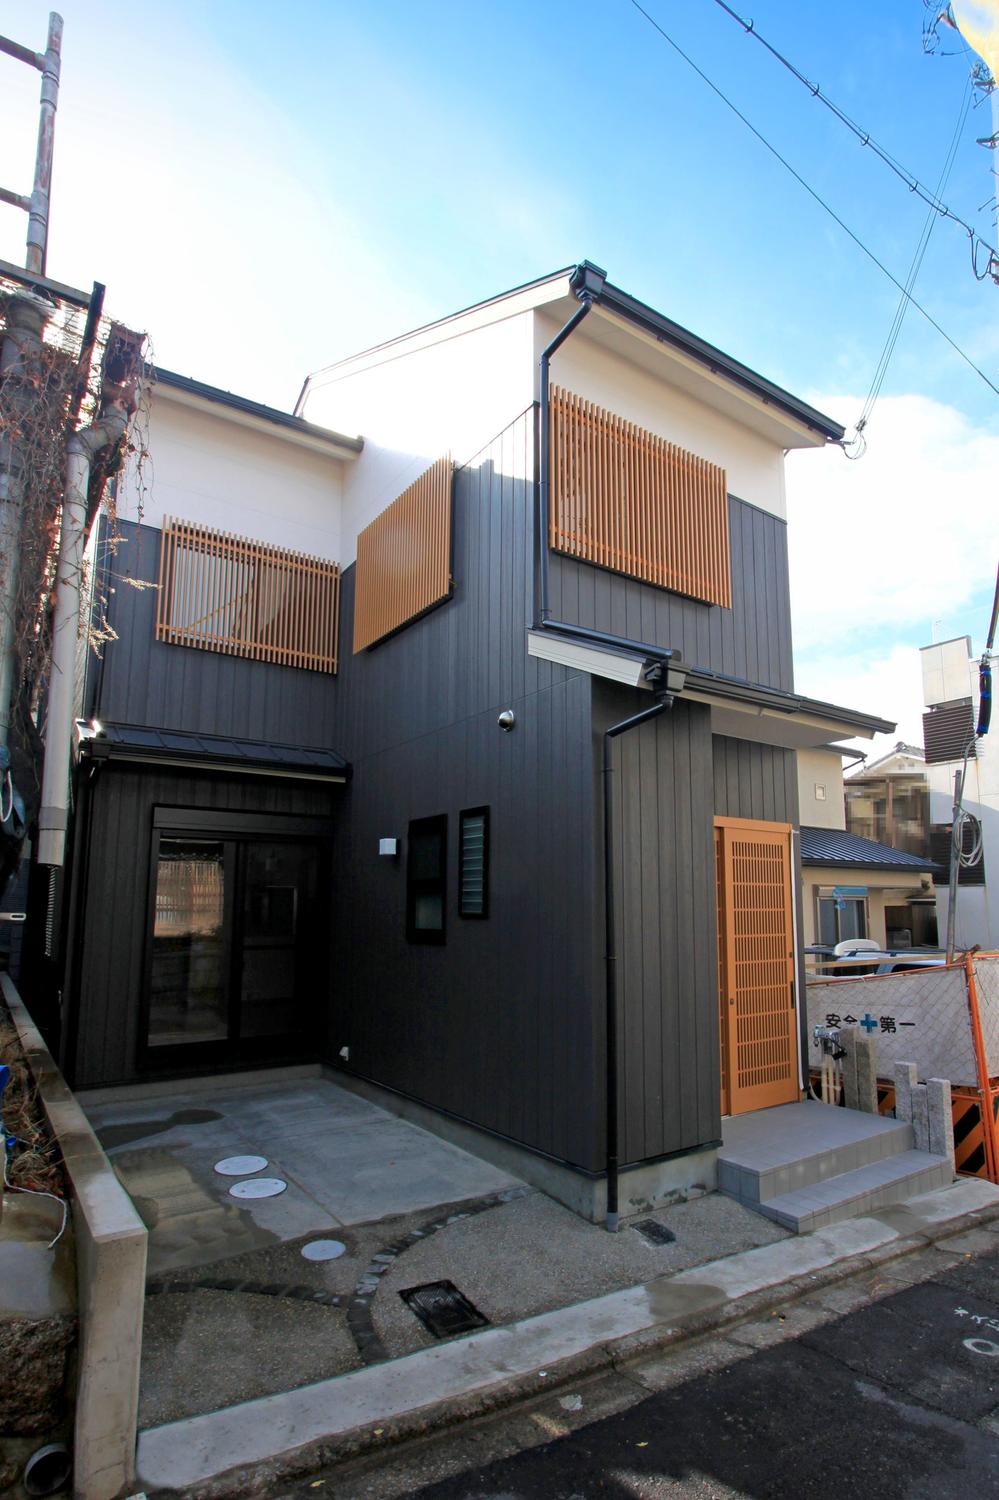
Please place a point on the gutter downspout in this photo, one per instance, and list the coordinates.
(81, 450)
(663, 702)
(587, 282)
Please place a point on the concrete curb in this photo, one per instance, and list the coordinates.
(111, 1278)
(244, 1450)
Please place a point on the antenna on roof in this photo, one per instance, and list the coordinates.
(37, 205)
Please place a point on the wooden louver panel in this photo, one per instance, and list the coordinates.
(626, 499)
(404, 558)
(226, 593)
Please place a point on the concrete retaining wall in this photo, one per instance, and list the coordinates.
(111, 1279)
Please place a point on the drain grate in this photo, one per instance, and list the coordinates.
(442, 1309)
(655, 1234)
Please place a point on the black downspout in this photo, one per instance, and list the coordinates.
(613, 1151)
(587, 282)
(544, 481)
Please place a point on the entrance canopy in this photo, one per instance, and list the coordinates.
(132, 742)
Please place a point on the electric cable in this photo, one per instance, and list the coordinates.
(865, 138)
(813, 194)
(881, 369)
(35, 1193)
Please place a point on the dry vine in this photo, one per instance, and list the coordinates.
(51, 387)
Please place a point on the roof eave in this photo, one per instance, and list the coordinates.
(185, 390)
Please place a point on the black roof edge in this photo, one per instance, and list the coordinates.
(705, 681)
(923, 867)
(663, 328)
(97, 747)
(193, 387)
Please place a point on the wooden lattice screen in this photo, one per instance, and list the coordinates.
(245, 598)
(404, 558)
(628, 500)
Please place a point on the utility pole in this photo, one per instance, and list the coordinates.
(956, 835)
(37, 205)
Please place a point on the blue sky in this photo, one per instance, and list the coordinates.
(268, 188)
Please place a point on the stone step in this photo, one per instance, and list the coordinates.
(863, 1190)
(778, 1151)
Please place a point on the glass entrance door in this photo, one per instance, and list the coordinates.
(235, 946)
(280, 883)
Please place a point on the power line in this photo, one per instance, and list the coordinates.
(881, 369)
(813, 194)
(866, 139)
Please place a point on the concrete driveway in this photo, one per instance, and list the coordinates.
(342, 1160)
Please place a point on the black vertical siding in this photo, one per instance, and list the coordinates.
(665, 905)
(111, 969)
(754, 781)
(752, 640)
(497, 1025)
(144, 681)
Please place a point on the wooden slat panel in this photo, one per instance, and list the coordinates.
(630, 501)
(226, 593)
(404, 558)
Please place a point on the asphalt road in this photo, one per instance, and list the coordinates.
(896, 1401)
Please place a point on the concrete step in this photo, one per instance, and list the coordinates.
(861, 1191)
(777, 1151)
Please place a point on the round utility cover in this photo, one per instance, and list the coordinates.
(323, 1249)
(240, 1166)
(258, 1187)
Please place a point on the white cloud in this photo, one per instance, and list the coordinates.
(888, 685)
(884, 548)
(903, 537)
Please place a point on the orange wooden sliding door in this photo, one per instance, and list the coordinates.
(756, 973)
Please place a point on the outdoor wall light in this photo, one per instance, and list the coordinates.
(507, 720)
(388, 848)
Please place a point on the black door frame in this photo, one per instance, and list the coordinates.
(229, 829)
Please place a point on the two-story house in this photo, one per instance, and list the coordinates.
(358, 780)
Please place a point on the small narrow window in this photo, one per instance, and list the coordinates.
(473, 863)
(426, 880)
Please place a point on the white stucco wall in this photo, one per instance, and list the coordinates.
(412, 404)
(754, 465)
(945, 670)
(218, 472)
(820, 769)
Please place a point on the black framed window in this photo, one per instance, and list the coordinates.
(473, 862)
(426, 880)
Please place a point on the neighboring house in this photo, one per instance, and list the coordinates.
(858, 886)
(340, 790)
(950, 692)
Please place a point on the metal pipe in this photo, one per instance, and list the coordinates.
(38, 214)
(610, 955)
(53, 814)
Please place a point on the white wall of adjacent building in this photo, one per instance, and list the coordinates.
(951, 672)
(221, 473)
(820, 789)
(414, 401)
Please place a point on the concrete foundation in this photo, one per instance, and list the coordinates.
(647, 1186)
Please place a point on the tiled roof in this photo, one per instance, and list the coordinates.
(834, 846)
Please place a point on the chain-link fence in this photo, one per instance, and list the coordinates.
(944, 1019)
